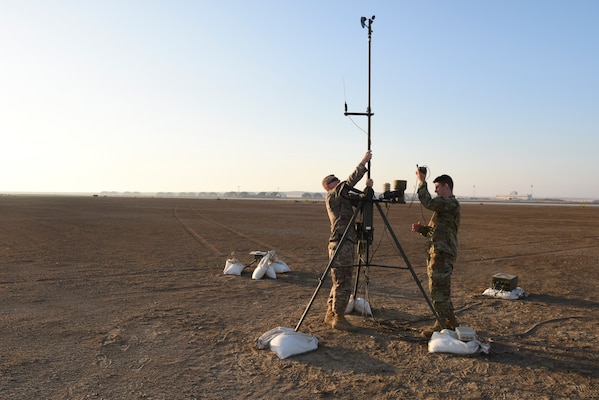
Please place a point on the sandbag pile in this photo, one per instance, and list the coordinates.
(268, 266)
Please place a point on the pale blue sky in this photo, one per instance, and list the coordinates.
(224, 95)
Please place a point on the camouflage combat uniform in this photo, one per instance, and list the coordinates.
(341, 211)
(442, 234)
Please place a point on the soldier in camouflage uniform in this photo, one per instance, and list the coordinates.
(341, 211)
(442, 234)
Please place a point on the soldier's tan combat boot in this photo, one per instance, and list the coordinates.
(452, 321)
(341, 324)
(428, 332)
(328, 318)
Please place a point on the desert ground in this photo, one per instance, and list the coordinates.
(125, 298)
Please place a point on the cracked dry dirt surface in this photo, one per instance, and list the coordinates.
(125, 298)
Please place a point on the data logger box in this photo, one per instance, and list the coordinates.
(465, 333)
(505, 282)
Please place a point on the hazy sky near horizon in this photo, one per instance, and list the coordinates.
(229, 95)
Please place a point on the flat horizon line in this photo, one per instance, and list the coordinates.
(273, 195)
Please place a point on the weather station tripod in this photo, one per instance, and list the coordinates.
(363, 215)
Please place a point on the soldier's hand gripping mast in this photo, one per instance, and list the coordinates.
(364, 207)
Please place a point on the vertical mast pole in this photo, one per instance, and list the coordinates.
(368, 109)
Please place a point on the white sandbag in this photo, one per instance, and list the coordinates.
(268, 258)
(262, 267)
(350, 305)
(264, 341)
(359, 305)
(280, 266)
(270, 272)
(515, 294)
(291, 343)
(446, 341)
(286, 342)
(233, 267)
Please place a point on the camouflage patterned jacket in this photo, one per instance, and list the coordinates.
(442, 230)
(340, 209)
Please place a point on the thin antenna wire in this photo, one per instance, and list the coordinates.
(350, 118)
(357, 126)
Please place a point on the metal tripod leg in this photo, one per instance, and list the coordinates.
(405, 258)
(326, 271)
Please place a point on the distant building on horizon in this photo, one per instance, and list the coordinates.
(514, 196)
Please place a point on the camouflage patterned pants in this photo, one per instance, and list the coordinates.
(439, 269)
(341, 273)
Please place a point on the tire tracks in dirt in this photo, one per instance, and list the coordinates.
(204, 240)
(199, 238)
(526, 254)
